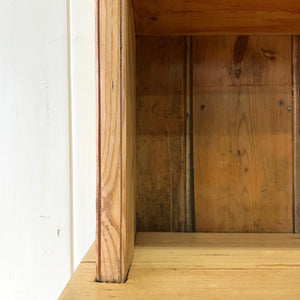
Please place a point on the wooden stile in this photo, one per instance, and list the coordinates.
(128, 223)
(116, 146)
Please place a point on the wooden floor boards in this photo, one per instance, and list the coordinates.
(200, 266)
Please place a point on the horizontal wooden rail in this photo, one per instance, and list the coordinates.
(182, 17)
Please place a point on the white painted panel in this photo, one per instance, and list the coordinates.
(34, 149)
(84, 125)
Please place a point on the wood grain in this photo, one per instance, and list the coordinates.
(215, 266)
(242, 134)
(181, 17)
(110, 144)
(128, 136)
(296, 131)
(189, 181)
(161, 129)
(116, 141)
(98, 139)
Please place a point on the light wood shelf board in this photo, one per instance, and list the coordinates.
(200, 265)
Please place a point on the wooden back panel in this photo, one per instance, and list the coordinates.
(161, 126)
(242, 101)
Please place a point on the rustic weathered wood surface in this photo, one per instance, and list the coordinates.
(161, 129)
(189, 187)
(181, 17)
(128, 136)
(116, 163)
(109, 245)
(193, 265)
(242, 128)
(296, 131)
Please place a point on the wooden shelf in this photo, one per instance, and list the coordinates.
(193, 265)
(192, 17)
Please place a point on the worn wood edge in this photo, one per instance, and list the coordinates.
(98, 138)
(296, 131)
(122, 159)
(127, 49)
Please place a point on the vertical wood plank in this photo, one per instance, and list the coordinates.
(98, 140)
(189, 180)
(110, 144)
(128, 135)
(116, 140)
(161, 133)
(242, 134)
(296, 131)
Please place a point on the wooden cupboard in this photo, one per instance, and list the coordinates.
(198, 121)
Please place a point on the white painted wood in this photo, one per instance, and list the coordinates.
(83, 89)
(34, 150)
